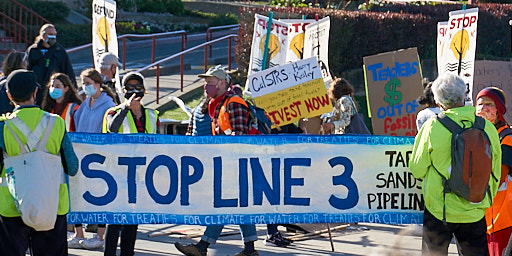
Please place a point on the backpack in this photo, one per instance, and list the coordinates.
(258, 121)
(471, 166)
(34, 177)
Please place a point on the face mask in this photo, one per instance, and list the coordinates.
(89, 89)
(55, 93)
(211, 90)
(51, 40)
(137, 93)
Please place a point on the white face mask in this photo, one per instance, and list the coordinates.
(89, 89)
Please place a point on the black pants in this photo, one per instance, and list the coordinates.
(128, 237)
(471, 237)
(16, 238)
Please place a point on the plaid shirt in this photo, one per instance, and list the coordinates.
(238, 116)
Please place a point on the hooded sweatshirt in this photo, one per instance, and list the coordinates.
(89, 119)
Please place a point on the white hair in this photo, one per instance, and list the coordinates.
(449, 90)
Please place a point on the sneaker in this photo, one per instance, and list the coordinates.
(93, 243)
(277, 240)
(189, 250)
(70, 235)
(242, 253)
(74, 242)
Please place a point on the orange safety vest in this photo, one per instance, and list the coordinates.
(223, 118)
(67, 115)
(499, 215)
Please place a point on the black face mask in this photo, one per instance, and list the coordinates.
(140, 94)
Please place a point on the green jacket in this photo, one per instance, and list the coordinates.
(433, 147)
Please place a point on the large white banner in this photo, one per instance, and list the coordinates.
(277, 43)
(316, 44)
(459, 51)
(104, 36)
(295, 48)
(146, 179)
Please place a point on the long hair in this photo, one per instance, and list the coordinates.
(339, 87)
(94, 75)
(41, 30)
(70, 96)
(15, 60)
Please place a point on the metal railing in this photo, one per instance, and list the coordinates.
(181, 54)
(209, 33)
(14, 32)
(183, 34)
(23, 18)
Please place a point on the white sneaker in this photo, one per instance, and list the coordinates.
(74, 242)
(93, 243)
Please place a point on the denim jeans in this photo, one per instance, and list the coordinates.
(212, 233)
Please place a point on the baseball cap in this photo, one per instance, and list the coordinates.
(217, 72)
(21, 83)
(108, 59)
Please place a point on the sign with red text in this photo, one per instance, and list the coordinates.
(393, 83)
(459, 51)
(290, 92)
(442, 32)
(497, 74)
(277, 43)
(295, 48)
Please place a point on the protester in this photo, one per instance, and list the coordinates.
(108, 64)
(46, 56)
(129, 117)
(62, 99)
(491, 104)
(90, 114)
(89, 118)
(13, 61)
(427, 98)
(431, 158)
(228, 119)
(16, 236)
(341, 92)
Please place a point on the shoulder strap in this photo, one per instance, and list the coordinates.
(479, 123)
(41, 146)
(23, 148)
(504, 133)
(447, 122)
(32, 136)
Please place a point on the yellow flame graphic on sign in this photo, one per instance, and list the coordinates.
(103, 31)
(460, 44)
(274, 46)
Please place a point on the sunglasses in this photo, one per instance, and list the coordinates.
(131, 87)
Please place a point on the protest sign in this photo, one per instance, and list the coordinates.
(104, 36)
(494, 73)
(393, 83)
(459, 51)
(442, 32)
(290, 92)
(316, 44)
(277, 43)
(295, 48)
(150, 179)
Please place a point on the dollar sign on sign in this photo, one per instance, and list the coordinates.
(394, 97)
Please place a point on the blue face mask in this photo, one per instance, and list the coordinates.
(56, 93)
(89, 89)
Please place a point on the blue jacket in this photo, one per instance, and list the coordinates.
(91, 120)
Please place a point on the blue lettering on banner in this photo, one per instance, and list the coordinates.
(235, 219)
(187, 179)
(132, 163)
(347, 181)
(289, 181)
(89, 173)
(405, 69)
(397, 110)
(166, 161)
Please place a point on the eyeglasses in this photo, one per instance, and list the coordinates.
(131, 87)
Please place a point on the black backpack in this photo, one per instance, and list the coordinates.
(471, 166)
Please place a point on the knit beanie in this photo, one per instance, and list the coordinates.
(499, 98)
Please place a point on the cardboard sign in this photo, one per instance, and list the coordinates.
(204, 180)
(277, 45)
(295, 48)
(290, 92)
(460, 48)
(104, 36)
(497, 74)
(393, 83)
(316, 44)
